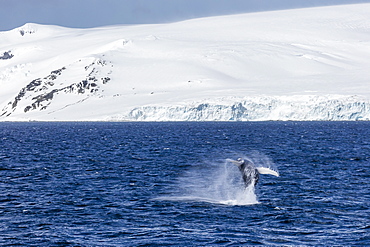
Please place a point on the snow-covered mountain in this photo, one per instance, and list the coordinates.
(302, 64)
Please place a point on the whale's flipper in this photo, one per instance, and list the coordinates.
(265, 170)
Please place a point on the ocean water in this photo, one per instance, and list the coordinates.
(158, 184)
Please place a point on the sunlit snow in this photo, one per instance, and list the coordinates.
(301, 64)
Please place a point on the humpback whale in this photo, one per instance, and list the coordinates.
(250, 172)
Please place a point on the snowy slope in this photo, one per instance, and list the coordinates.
(302, 64)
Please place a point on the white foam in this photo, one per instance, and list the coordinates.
(221, 183)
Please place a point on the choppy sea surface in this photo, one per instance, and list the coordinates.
(158, 184)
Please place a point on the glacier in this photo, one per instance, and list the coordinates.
(299, 64)
(264, 108)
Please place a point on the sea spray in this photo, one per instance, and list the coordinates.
(213, 182)
(228, 187)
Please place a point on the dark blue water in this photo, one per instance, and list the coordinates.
(137, 184)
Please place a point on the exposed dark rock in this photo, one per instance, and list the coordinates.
(58, 71)
(54, 74)
(35, 87)
(43, 89)
(6, 55)
(27, 108)
(45, 97)
(18, 98)
(105, 80)
(93, 79)
(23, 32)
(33, 84)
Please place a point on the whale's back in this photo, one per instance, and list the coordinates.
(249, 173)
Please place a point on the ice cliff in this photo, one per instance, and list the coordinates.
(301, 108)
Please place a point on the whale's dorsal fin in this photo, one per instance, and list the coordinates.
(265, 170)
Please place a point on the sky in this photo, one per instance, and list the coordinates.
(96, 13)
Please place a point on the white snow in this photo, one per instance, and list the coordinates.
(301, 64)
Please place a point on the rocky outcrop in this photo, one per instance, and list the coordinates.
(40, 92)
(6, 55)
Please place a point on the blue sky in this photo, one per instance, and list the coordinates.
(93, 13)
